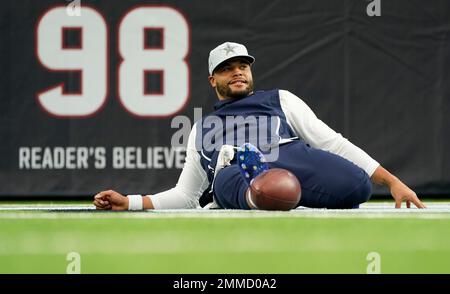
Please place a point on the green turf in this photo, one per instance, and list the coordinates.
(111, 243)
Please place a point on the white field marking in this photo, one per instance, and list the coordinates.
(375, 207)
(368, 210)
(381, 206)
(48, 208)
(229, 215)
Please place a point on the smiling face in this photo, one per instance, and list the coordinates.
(232, 79)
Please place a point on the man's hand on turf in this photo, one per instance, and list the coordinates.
(400, 192)
(110, 200)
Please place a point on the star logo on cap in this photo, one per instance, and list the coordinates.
(229, 49)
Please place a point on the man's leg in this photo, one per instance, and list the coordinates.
(327, 180)
(230, 187)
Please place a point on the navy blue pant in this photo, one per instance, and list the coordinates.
(327, 180)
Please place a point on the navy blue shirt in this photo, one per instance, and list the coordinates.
(256, 119)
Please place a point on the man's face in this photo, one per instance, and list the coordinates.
(233, 79)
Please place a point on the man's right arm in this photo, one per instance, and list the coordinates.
(191, 184)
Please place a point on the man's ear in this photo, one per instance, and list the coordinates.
(212, 81)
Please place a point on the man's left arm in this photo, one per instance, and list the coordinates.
(319, 135)
(399, 191)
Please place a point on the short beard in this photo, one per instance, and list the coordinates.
(225, 91)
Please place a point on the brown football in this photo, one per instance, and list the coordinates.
(275, 189)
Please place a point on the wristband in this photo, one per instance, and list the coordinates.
(135, 202)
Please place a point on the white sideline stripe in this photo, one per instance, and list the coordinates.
(50, 208)
(367, 207)
(377, 210)
(42, 215)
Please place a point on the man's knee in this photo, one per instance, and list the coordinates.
(229, 189)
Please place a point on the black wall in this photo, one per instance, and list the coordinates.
(382, 81)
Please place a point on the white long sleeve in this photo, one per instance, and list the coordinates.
(319, 135)
(191, 184)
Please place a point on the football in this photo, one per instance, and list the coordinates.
(275, 189)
